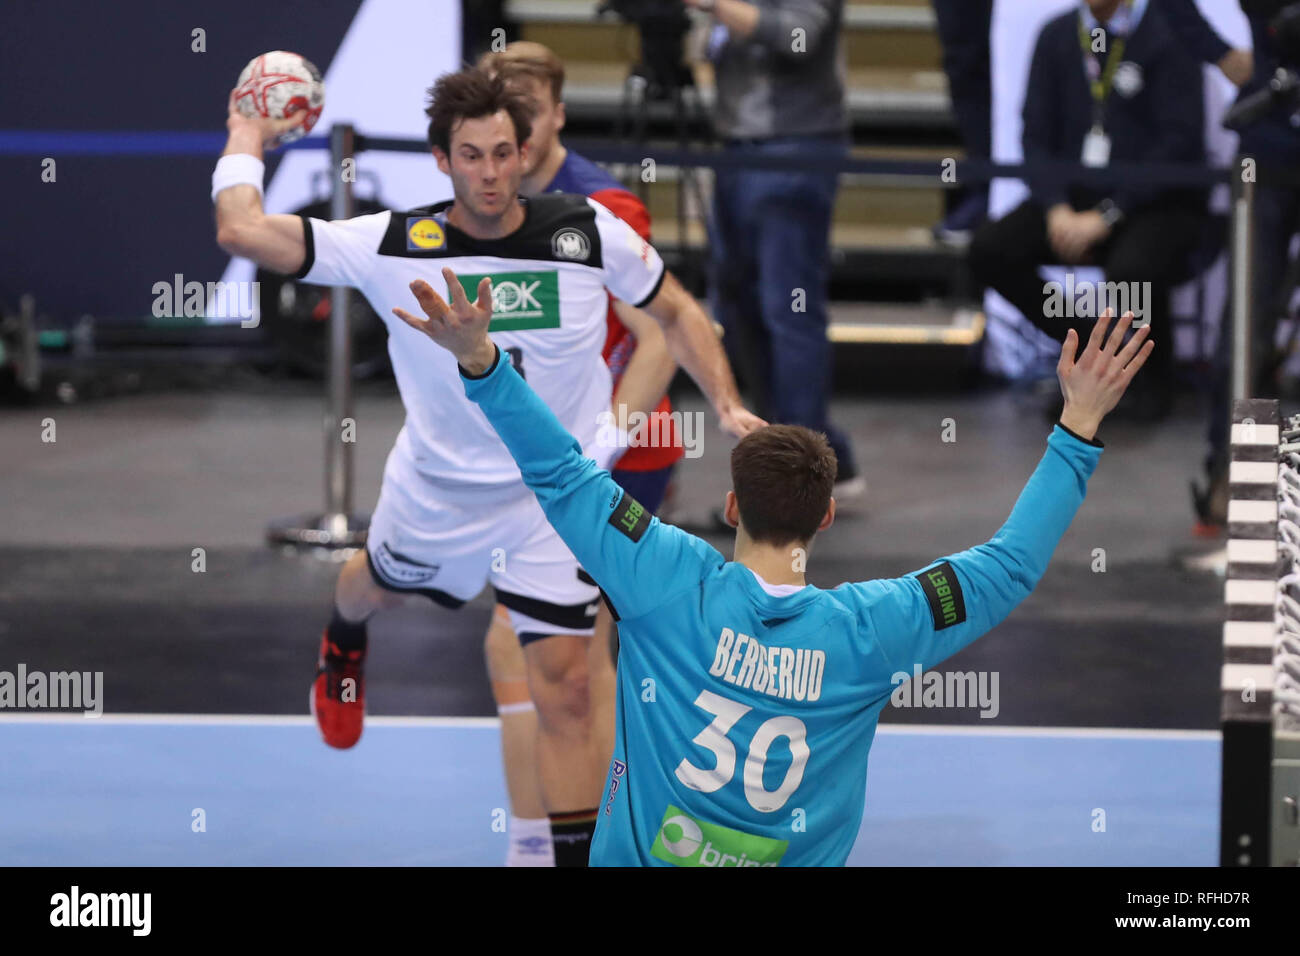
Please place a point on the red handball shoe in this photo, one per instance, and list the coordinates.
(338, 696)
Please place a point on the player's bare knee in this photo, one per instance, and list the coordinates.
(566, 703)
(559, 679)
(553, 659)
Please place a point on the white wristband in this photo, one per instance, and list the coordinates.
(237, 169)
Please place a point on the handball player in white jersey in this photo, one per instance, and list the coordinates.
(453, 512)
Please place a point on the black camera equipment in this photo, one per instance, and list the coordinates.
(1283, 89)
(663, 25)
(660, 82)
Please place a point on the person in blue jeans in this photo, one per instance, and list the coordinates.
(963, 27)
(780, 92)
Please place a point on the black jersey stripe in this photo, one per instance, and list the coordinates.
(309, 240)
(654, 290)
(547, 217)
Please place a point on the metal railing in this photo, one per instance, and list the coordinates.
(336, 526)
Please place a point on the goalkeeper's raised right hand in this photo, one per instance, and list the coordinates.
(1094, 380)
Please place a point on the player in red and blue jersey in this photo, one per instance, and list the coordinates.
(641, 369)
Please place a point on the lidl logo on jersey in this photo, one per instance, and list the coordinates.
(520, 300)
(424, 233)
(684, 840)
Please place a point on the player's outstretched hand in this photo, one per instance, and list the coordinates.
(1093, 381)
(738, 421)
(267, 130)
(462, 327)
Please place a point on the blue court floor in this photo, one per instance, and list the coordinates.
(123, 791)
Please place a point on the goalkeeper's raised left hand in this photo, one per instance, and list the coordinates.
(1094, 380)
(462, 327)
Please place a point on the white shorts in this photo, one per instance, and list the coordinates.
(446, 542)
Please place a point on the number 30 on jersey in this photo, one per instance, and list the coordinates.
(714, 739)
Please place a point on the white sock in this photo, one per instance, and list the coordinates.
(530, 843)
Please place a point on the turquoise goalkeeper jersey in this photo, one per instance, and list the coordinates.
(744, 720)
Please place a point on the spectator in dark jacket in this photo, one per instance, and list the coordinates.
(779, 70)
(1110, 82)
(1205, 44)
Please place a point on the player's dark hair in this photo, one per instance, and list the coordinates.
(473, 93)
(782, 476)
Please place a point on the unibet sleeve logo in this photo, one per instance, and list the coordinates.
(520, 300)
(683, 840)
(943, 591)
(630, 517)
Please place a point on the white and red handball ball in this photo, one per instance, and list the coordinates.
(280, 85)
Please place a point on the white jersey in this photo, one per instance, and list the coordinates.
(549, 307)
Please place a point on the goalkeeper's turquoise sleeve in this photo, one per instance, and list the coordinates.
(637, 561)
(927, 616)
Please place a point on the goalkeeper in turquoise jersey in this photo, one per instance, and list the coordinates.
(747, 699)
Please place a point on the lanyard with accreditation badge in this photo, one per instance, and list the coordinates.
(1096, 145)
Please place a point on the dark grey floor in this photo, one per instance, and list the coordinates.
(97, 531)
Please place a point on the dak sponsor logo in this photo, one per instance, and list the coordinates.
(424, 233)
(570, 244)
(684, 840)
(520, 300)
